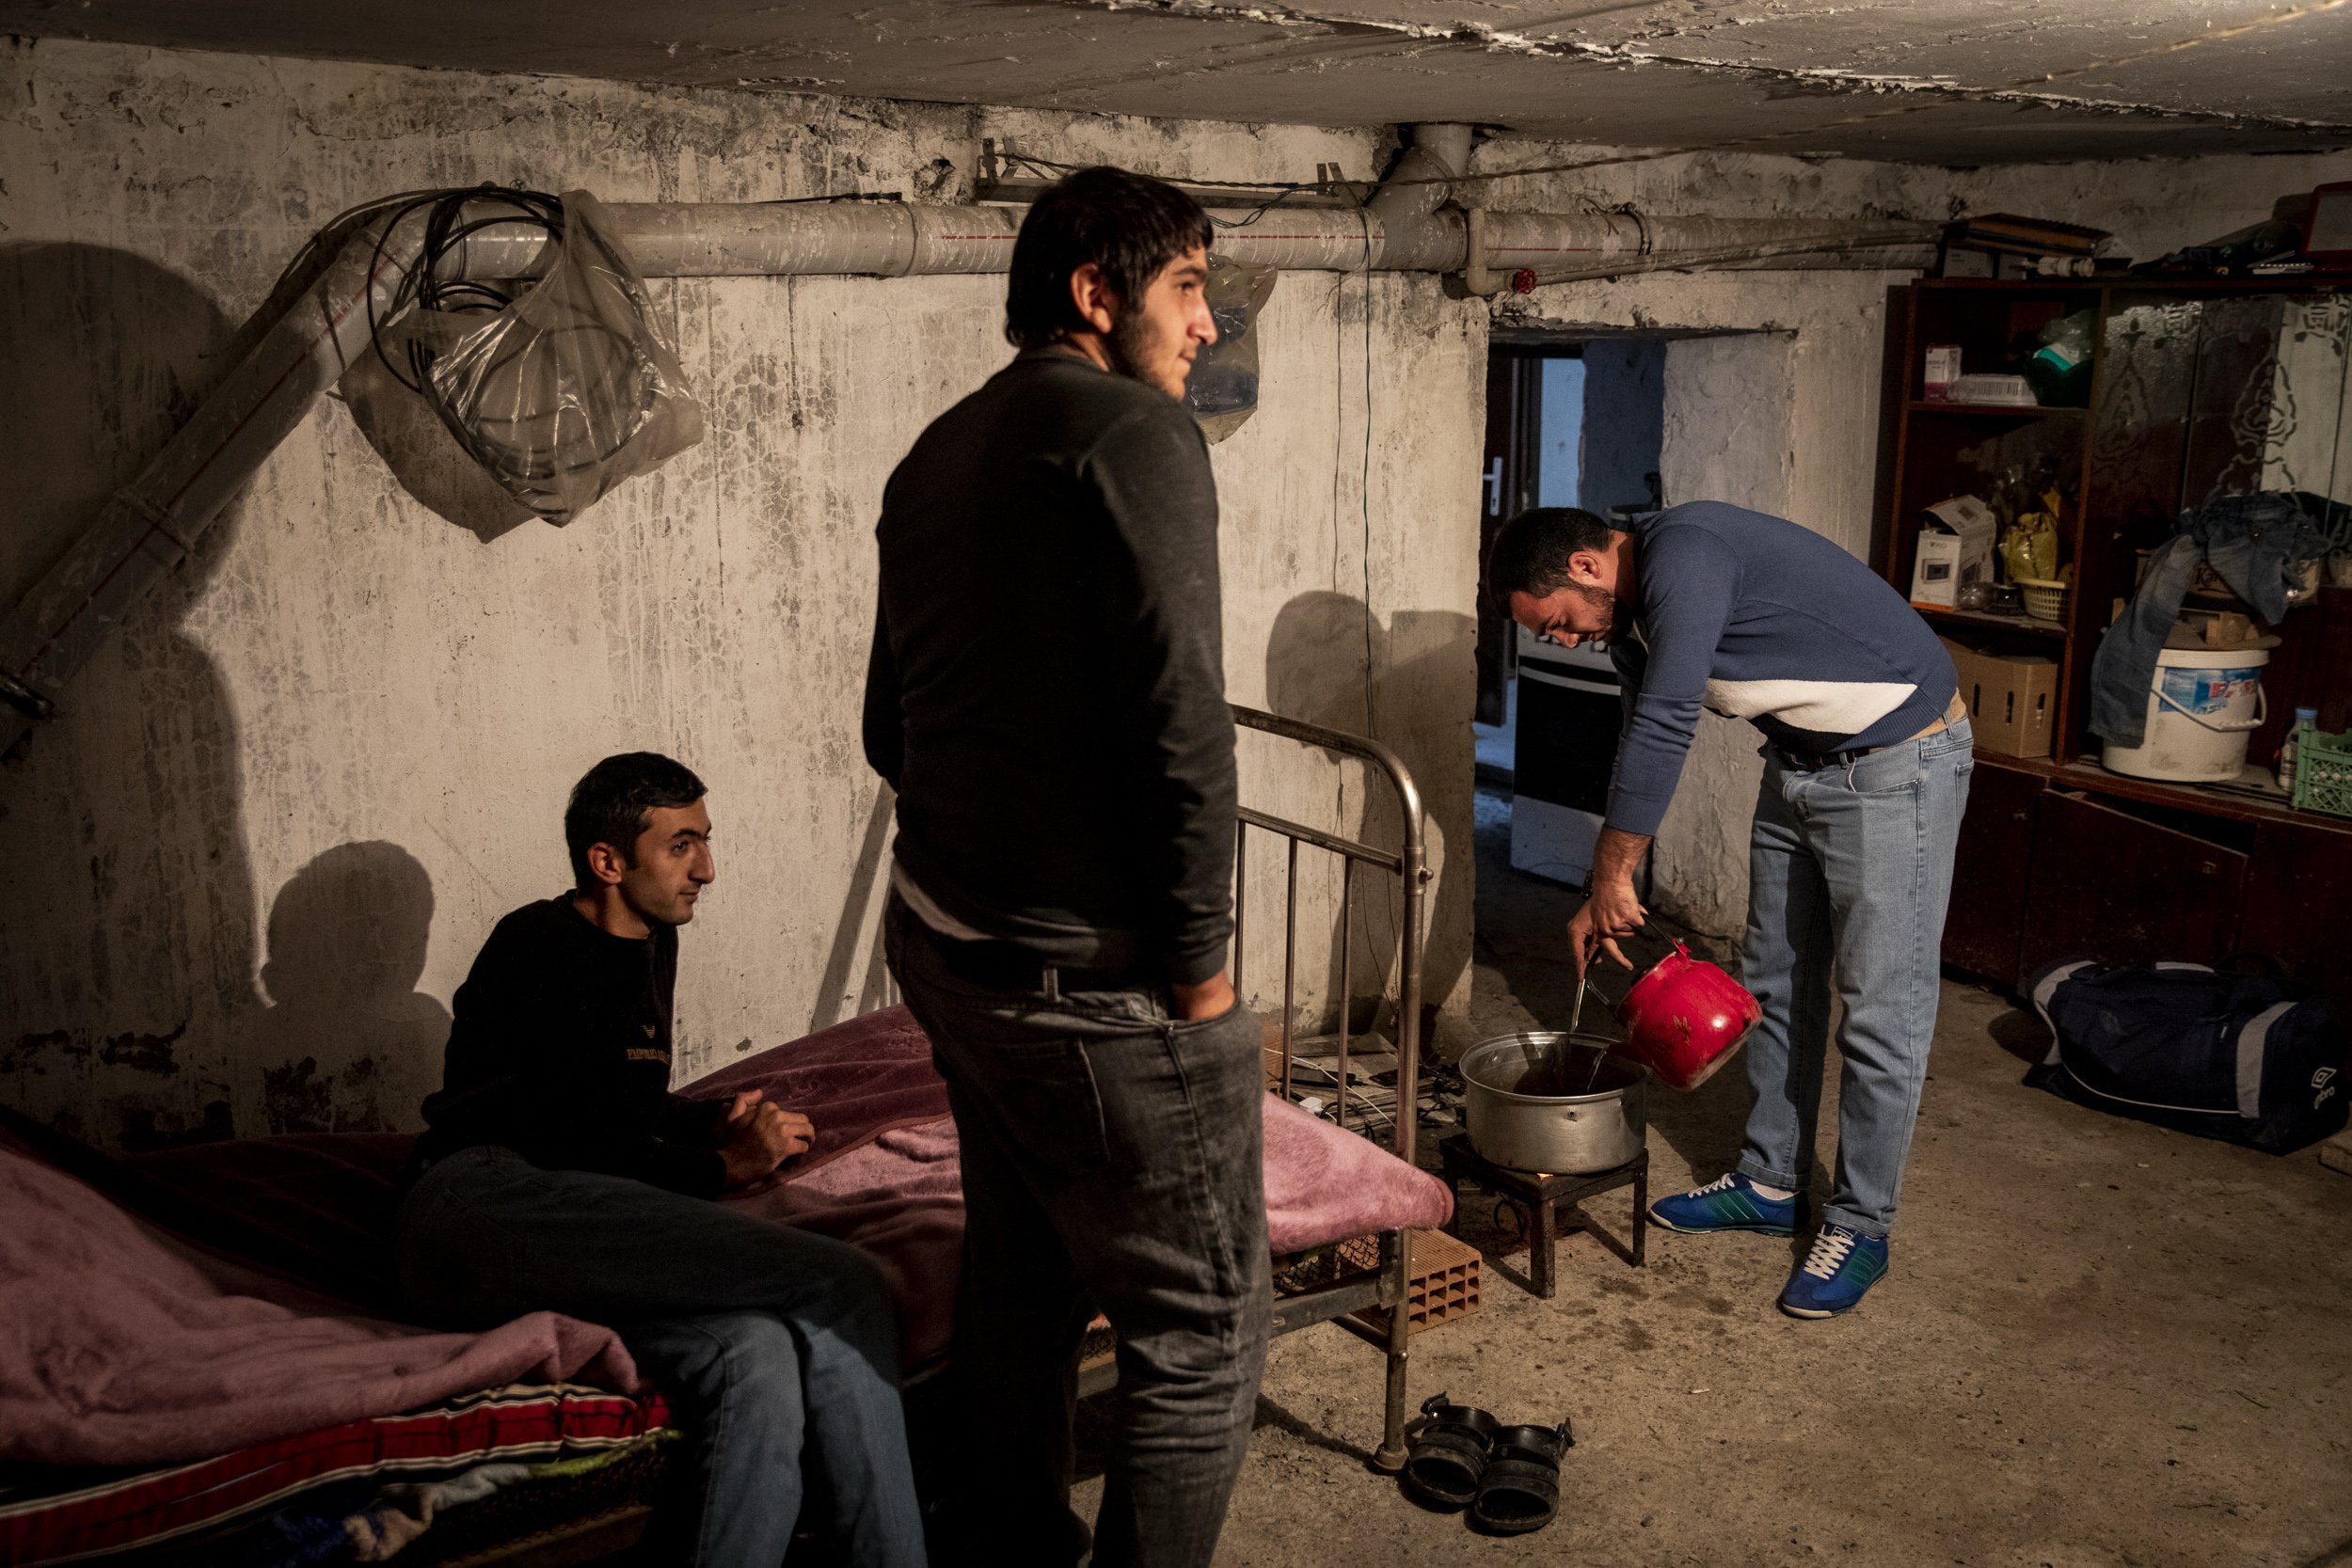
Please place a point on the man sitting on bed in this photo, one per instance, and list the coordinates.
(560, 1174)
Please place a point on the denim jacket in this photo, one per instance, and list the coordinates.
(2257, 544)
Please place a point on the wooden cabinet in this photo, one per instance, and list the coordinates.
(2299, 906)
(2112, 884)
(2198, 390)
(1984, 928)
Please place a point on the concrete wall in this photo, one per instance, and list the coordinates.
(1787, 420)
(1625, 421)
(255, 857)
(1559, 474)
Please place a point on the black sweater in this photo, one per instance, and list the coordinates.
(559, 1049)
(1047, 691)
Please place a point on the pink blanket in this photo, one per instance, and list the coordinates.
(855, 1081)
(892, 1185)
(124, 1348)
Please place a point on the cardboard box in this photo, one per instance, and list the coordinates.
(1962, 671)
(1936, 570)
(1955, 547)
(1943, 369)
(2011, 698)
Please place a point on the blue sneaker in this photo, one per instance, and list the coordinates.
(1836, 1274)
(1730, 1202)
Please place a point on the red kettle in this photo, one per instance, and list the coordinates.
(1686, 1018)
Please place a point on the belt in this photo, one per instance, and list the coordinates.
(1813, 762)
(1010, 966)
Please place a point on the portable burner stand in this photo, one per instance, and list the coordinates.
(1547, 1199)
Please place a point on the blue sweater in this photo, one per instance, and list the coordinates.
(1759, 619)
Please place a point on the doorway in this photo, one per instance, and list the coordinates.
(1570, 421)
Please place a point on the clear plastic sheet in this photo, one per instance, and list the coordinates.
(566, 390)
(1223, 390)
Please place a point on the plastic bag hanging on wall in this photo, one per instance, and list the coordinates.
(562, 390)
(1222, 393)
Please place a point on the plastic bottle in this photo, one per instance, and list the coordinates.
(2306, 719)
(2060, 370)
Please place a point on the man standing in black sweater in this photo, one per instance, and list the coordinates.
(1047, 695)
(558, 1173)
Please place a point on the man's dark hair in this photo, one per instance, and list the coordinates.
(1531, 551)
(1130, 225)
(610, 803)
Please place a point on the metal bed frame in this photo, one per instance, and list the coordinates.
(1383, 1286)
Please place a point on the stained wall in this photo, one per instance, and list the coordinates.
(250, 862)
(255, 856)
(1772, 378)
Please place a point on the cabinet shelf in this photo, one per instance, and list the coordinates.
(1979, 620)
(2058, 853)
(2248, 802)
(1994, 410)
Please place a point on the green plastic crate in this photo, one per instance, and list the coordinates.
(2322, 773)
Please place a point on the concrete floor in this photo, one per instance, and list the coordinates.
(2100, 1343)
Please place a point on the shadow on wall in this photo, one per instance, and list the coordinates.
(869, 884)
(126, 947)
(349, 1045)
(1424, 664)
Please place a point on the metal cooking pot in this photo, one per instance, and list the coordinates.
(1556, 1103)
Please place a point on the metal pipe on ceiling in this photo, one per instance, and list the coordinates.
(1409, 223)
(899, 240)
(307, 335)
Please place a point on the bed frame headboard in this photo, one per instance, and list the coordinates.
(1407, 863)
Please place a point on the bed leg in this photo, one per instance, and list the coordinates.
(1390, 1457)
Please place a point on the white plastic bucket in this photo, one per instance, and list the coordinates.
(2202, 707)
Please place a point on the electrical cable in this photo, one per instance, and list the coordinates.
(570, 391)
(1675, 261)
(1283, 189)
(843, 196)
(423, 287)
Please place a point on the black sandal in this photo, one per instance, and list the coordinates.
(1520, 1489)
(1447, 1455)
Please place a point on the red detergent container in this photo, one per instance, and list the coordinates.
(1686, 1018)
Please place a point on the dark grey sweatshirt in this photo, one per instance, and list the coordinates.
(1046, 691)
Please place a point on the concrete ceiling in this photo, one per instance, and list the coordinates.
(1928, 81)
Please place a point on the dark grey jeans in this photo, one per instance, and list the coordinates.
(780, 1349)
(1111, 1161)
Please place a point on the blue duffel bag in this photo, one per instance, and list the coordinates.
(2247, 1058)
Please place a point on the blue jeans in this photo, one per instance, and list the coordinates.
(1113, 1159)
(779, 1349)
(1850, 870)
